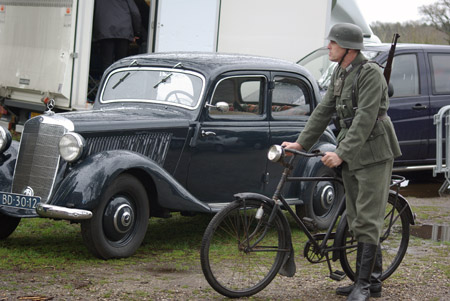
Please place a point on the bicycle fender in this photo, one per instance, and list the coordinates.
(404, 203)
(252, 195)
(340, 228)
(288, 268)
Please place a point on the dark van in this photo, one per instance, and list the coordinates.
(421, 81)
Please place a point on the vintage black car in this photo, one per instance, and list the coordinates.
(173, 132)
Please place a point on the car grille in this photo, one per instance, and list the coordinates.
(152, 145)
(38, 158)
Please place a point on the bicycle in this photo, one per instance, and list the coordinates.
(248, 242)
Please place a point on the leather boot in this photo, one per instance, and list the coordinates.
(375, 281)
(361, 291)
(346, 290)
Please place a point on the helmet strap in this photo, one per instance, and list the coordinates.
(343, 57)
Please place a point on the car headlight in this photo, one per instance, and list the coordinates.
(5, 139)
(276, 152)
(71, 146)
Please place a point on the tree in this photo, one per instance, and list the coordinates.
(410, 32)
(438, 14)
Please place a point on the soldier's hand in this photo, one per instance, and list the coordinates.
(291, 145)
(331, 160)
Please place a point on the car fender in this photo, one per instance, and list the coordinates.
(309, 166)
(85, 182)
(7, 164)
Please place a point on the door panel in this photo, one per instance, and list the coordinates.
(410, 107)
(230, 152)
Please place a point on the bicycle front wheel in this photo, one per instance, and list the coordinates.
(394, 241)
(240, 253)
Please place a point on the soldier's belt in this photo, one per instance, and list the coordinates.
(347, 122)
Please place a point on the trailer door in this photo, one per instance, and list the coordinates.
(38, 48)
(186, 25)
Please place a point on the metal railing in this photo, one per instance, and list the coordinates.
(442, 151)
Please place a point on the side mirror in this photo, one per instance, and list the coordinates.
(221, 106)
(390, 89)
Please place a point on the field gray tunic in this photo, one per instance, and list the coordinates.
(367, 146)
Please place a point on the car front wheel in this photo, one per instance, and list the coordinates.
(7, 225)
(120, 221)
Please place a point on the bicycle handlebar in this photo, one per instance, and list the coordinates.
(314, 153)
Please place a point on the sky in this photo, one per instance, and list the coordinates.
(392, 11)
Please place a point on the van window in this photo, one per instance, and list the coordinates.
(405, 75)
(440, 75)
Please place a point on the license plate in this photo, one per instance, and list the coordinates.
(18, 200)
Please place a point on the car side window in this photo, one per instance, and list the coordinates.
(405, 75)
(289, 98)
(244, 96)
(440, 75)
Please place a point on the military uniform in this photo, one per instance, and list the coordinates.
(366, 143)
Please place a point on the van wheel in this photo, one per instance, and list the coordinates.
(322, 199)
(7, 225)
(120, 221)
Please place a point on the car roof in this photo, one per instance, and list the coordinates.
(212, 63)
(400, 46)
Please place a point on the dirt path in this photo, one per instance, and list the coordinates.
(423, 275)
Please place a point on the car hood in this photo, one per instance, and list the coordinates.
(127, 118)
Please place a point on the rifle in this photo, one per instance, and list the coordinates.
(388, 68)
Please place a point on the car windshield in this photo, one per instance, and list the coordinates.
(156, 85)
(322, 68)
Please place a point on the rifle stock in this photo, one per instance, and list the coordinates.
(388, 67)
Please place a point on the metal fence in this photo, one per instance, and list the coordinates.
(442, 123)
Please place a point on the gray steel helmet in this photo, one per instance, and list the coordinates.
(347, 36)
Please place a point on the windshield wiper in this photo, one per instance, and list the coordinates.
(134, 62)
(165, 78)
(121, 80)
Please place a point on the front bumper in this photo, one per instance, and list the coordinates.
(52, 211)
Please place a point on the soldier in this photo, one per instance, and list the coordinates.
(367, 146)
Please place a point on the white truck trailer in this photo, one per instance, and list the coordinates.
(45, 45)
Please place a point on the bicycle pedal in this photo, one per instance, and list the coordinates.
(310, 223)
(337, 275)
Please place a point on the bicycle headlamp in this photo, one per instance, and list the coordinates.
(275, 153)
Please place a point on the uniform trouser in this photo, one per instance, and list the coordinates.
(367, 191)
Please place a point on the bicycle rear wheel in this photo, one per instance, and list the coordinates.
(240, 254)
(394, 242)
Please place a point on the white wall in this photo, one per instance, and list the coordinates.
(287, 29)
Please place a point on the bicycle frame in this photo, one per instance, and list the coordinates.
(321, 248)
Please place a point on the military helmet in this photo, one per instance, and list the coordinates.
(347, 36)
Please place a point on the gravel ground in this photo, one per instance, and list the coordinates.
(423, 275)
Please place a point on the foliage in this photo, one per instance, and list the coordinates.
(434, 29)
(438, 14)
(410, 32)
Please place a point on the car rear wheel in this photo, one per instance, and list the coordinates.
(120, 221)
(322, 199)
(7, 225)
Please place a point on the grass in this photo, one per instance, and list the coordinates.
(170, 244)
(56, 249)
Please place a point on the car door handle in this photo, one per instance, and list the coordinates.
(207, 133)
(419, 107)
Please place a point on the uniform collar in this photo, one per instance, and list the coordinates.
(358, 60)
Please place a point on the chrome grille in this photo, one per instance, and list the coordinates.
(38, 157)
(152, 145)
